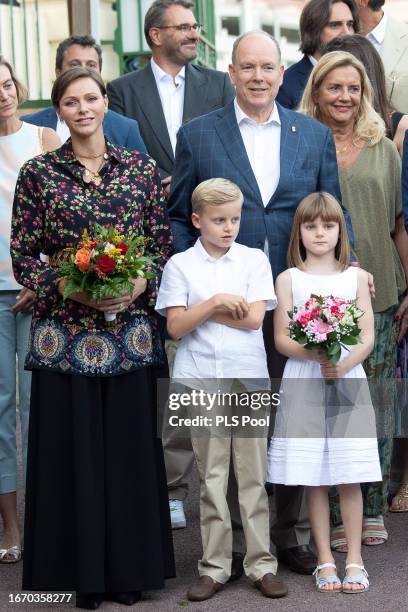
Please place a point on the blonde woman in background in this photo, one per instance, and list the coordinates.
(339, 95)
(18, 143)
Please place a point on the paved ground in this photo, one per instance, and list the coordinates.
(387, 565)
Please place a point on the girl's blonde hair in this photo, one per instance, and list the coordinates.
(320, 204)
(369, 126)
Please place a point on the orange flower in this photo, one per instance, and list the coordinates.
(82, 259)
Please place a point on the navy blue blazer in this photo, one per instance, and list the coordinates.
(405, 180)
(118, 130)
(212, 146)
(294, 82)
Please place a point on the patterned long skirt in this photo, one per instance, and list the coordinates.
(380, 369)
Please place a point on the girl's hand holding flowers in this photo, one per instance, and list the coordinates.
(325, 325)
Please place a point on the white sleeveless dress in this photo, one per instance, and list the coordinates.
(325, 434)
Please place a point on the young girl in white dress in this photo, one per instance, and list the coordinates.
(325, 433)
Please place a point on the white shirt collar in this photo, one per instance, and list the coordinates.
(241, 116)
(232, 252)
(313, 60)
(378, 33)
(160, 75)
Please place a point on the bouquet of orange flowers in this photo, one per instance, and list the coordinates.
(103, 265)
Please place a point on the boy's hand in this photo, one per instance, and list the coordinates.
(236, 305)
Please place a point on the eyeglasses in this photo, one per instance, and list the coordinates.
(183, 27)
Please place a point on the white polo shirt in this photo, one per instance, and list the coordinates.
(215, 351)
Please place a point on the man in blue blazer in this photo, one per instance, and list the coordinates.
(405, 180)
(276, 157)
(84, 51)
(320, 22)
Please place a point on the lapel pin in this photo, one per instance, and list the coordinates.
(293, 128)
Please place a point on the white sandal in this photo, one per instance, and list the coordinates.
(361, 578)
(322, 581)
(14, 552)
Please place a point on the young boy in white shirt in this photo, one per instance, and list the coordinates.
(214, 296)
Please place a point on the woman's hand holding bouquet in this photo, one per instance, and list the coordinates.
(106, 272)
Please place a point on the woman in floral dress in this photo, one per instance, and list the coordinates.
(97, 517)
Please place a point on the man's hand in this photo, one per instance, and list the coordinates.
(371, 286)
(24, 302)
(236, 305)
(166, 184)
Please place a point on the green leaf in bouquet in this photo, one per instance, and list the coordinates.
(334, 348)
(349, 340)
(334, 353)
(70, 287)
(301, 340)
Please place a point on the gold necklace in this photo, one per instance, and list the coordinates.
(343, 150)
(103, 154)
(88, 176)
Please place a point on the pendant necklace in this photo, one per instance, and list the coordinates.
(343, 150)
(88, 176)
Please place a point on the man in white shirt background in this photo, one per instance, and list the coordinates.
(167, 93)
(390, 37)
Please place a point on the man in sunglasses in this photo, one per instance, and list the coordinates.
(169, 91)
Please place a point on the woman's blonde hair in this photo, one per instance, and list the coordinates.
(320, 204)
(368, 126)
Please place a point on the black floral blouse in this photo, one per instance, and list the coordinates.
(52, 207)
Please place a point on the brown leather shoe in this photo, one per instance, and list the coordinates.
(204, 588)
(271, 586)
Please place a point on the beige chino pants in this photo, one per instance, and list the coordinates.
(213, 455)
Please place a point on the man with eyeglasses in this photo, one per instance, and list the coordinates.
(169, 91)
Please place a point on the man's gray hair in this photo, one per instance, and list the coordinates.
(261, 32)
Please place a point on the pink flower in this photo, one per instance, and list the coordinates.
(320, 329)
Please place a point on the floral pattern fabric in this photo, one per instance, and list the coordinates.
(52, 207)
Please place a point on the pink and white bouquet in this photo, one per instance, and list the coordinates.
(326, 323)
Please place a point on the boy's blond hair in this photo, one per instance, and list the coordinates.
(214, 192)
